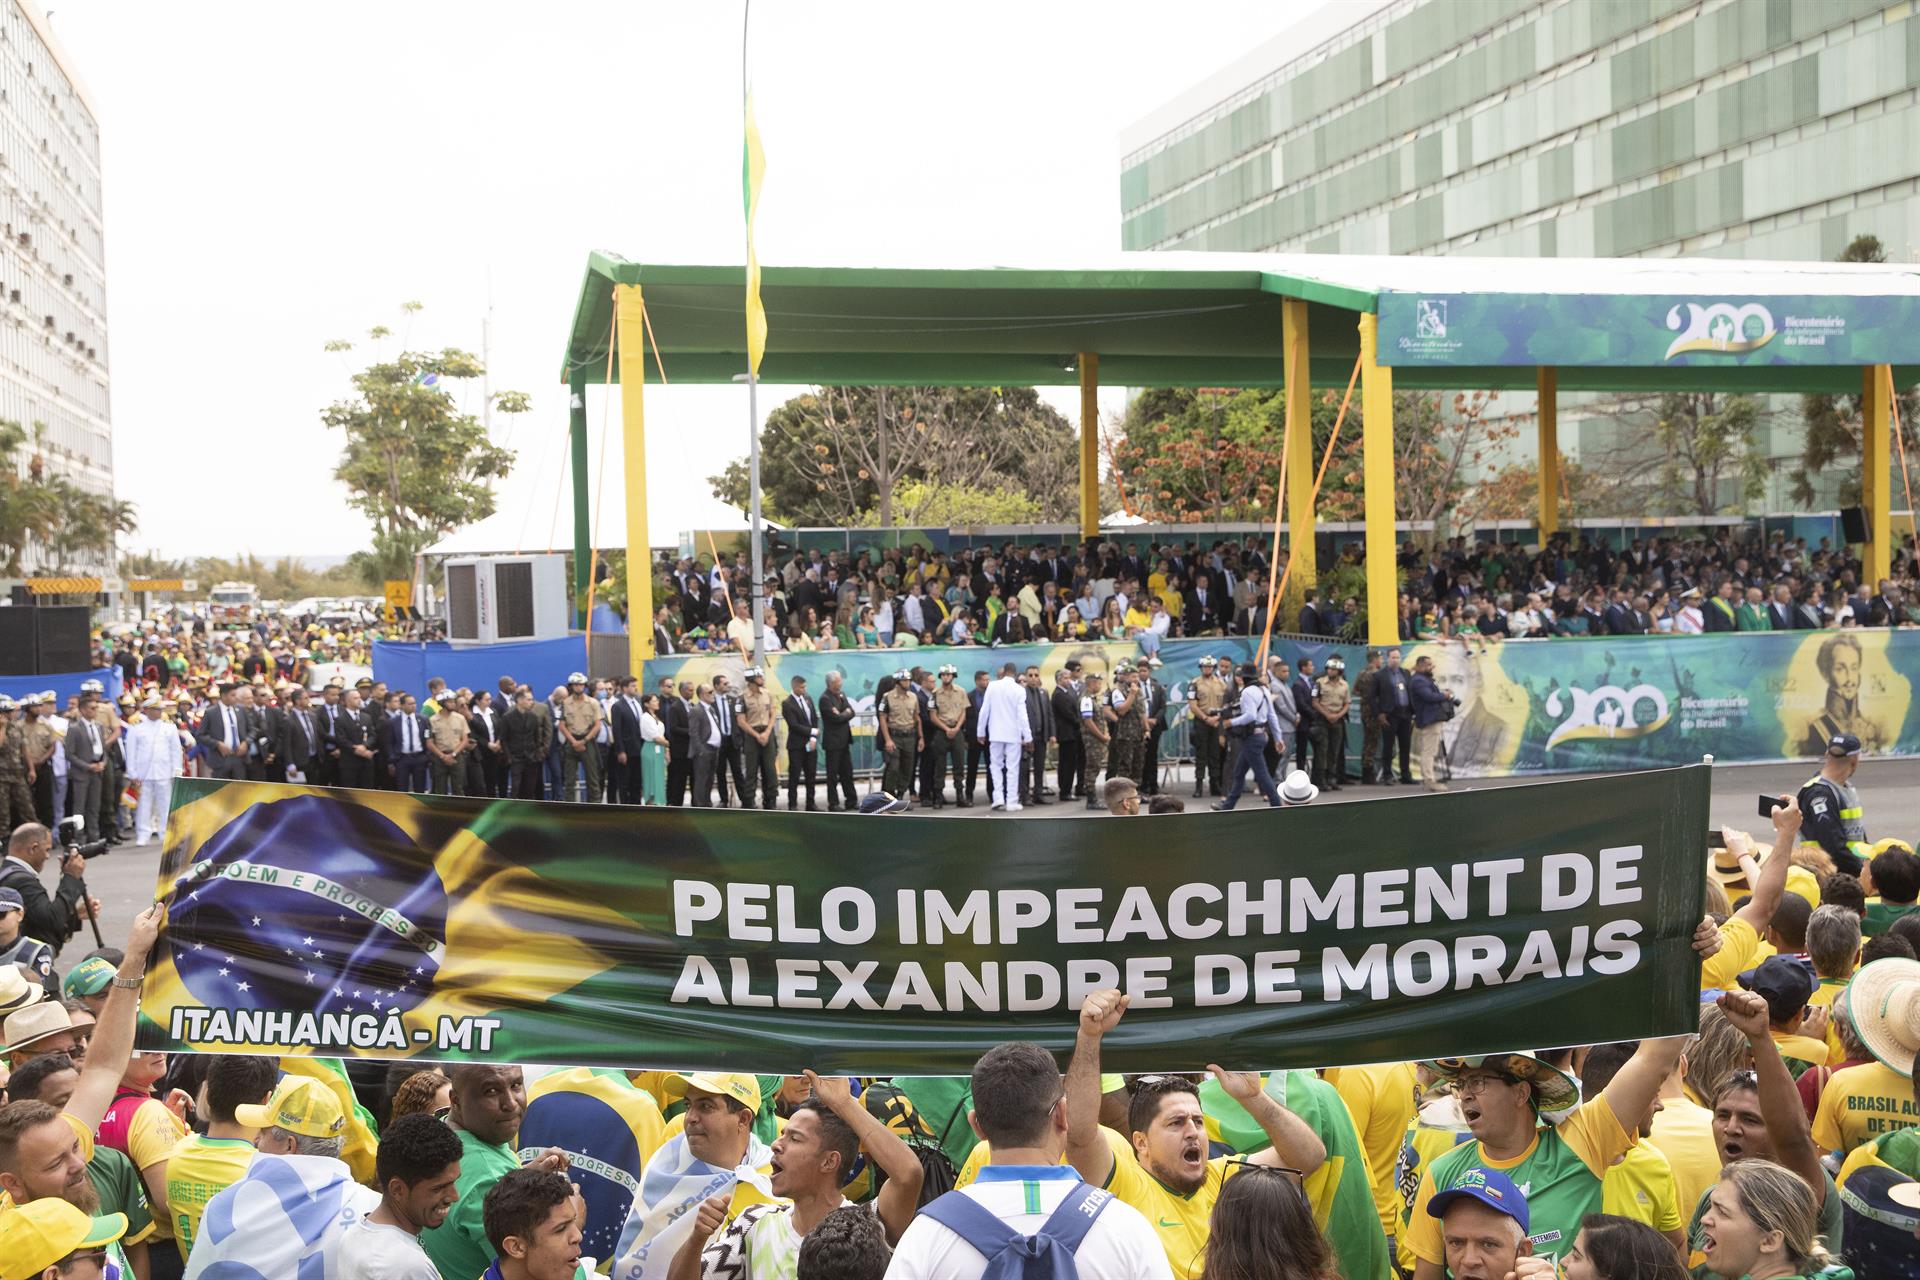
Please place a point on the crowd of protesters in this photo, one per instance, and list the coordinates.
(1147, 592)
(1774, 1143)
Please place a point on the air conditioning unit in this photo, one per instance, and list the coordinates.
(497, 598)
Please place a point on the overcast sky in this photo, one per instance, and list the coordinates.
(280, 175)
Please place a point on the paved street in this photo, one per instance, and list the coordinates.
(1890, 789)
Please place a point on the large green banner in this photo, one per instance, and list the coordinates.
(308, 920)
(1649, 332)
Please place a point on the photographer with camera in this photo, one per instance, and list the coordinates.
(51, 918)
(1432, 708)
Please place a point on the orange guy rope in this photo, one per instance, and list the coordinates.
(1113, 464)
(1279, 586)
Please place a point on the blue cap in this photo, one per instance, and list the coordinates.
(10, 900)
(1491, 1188)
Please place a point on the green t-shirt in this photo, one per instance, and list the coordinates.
(118, 1185)
(1831, 1216)
(942, 1103)
(458, 1246)
(1881, 915)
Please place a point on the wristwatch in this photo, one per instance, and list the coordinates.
(126, 984)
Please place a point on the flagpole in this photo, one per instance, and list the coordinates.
(753, 396)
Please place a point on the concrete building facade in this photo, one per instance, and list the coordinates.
(1766, 129)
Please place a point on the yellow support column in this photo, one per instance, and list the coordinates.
(1549, 418)
(633, 437)
(1301, 462)
(1089, 445)
(1376, 441)
(1876, 477)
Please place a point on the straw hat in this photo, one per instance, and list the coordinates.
(15, 991)
(1553, 1089)
(1884, 1001)
(35, 1022)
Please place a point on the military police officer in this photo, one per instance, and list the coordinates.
(900, 733)
(1206, 694)
(948, 743)
(756, 717)
(580, 741)
(1331, 698)
(1832, 817)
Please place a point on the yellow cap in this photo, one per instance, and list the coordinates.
(742, 1089)
(299, 1105)
(41, 1233)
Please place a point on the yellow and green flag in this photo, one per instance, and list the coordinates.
(753, 172)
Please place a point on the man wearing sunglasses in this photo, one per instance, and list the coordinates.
(1166, 1174)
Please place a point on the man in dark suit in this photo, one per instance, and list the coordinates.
(976, 749)
(355, 735)
(489, 754)
(1781, 615)
(265, 764)
(1033, 767)
(1156, 699)
(405, 735)
(1312, 621)
(663, 633)
(836, 739)
(726, 709)
(223, 735)
(1066, 731)
(328, 714)
(703, 745)
(1202, 613)
(300, 739)
(673, 715)
(803, 740)
(1618, 619)
(627, 742)
(86, 765)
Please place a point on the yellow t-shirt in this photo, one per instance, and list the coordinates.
(1138, 616)
(1383, 1100)
(1738, 946)
(1683, 1133)
(1640, 1185)
(1861, 1103)
(1592, 1135)
(152, 1134)
(1181, 1221)
(1803, 1048)
(1829, 990)
(1436, 1129)
(198, 1170)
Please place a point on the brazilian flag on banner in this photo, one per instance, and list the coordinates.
(1339, 1190)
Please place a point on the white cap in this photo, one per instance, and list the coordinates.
(576, 678)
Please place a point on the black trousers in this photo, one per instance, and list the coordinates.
(976, 752)
(1398, 730)
(43, 796)
(679, 774)
(526, 779)
(1033, 772)
(733, 760)
(355, 771)
(703, 771)
(800, 772)
(840, 778)
(1150, 764)
(1073, 759)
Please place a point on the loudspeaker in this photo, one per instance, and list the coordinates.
(1853, 524)
(62, 638)
(19, 646)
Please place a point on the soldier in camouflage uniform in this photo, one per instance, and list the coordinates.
(1096, 731)
(900, 734)
(1130, 723)
(16, 797)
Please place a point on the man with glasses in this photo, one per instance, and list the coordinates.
(51, 1236)
(1503, 1097)
(1166, 1174)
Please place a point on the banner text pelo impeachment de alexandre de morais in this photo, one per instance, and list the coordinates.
(384, 925)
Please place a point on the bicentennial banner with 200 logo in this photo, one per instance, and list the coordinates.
(376, 924)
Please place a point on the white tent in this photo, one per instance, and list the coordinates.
(526, 526)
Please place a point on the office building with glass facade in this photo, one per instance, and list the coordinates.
(1765, 129)
(53, 278)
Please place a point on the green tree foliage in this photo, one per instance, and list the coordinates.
(64, 526)
(931, 505)
(1708, 440)
(414, 461)
(1832, 440)
(839, 456)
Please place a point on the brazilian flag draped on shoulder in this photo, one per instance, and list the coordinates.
(1340, 1190)
(609, 1128)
